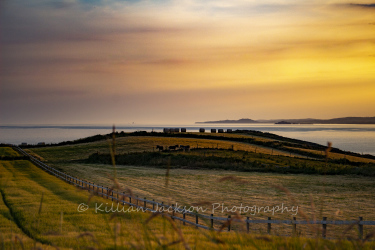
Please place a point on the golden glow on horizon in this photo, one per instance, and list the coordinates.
(283, 57)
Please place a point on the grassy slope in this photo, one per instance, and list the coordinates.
(147, 143)
(23, 185)
(235, 160)
(8, 152)
(190, 186)
(138, 144)
(357, 187)
(11, 236)
(338, 198)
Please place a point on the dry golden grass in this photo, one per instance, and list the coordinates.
(335, 197)
(192, 186)
(141, 144)
(336, 156)
(25, 183)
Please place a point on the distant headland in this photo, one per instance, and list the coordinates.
(343, 120)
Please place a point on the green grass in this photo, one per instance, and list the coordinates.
(281, 145)
(234, 160)
(138, 144)
(23, 185)
(34, 200)
(8, 152)
(131, 144)
(11, 236)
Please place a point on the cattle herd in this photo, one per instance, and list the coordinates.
(174, 147)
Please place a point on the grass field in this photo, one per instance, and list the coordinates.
(139, 144)
(33, 201)
(8, 152)
(329, 194)
(40, 211)
(343, 197)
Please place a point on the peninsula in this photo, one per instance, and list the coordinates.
(343, 120)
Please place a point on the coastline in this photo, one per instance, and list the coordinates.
(355, 138)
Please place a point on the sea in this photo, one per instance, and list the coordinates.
(355, 138)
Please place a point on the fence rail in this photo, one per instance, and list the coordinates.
(131, 200)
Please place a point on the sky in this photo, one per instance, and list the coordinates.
(182, 61)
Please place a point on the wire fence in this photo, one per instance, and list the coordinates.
(209, 222)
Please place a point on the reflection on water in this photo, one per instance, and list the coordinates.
(356, 138)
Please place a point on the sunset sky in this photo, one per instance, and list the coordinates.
(182, 61)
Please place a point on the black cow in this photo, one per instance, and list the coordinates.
(173, 147)
(185, 148)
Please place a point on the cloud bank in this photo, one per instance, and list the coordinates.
(181, 61)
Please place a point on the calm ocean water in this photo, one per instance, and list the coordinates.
(355, 138)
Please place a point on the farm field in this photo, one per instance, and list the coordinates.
(40, 211)
(245, 141)
(338, 198)
(139, 144)
(344, 197)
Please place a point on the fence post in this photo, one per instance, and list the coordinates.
(137, 200)
(117, 198)
(130, 200)
(107, 193)
(172, 212)
(360, 228)
(196, 219)
(145, 204)
(247, 225)
(212, 221)
(184, 217)
(229, 222)
(102, 192)
(269, 226)
(153, 204)
(123, 198)
(294, 226)
(324, 232)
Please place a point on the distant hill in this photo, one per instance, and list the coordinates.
(343, 120)
(243, 120)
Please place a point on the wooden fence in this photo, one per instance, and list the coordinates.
(189, 217)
